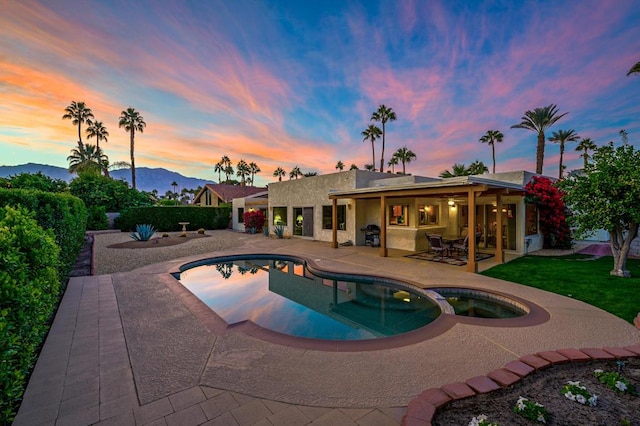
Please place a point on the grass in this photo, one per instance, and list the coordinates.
(581, 277)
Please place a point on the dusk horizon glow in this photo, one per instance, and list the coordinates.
(288, 83)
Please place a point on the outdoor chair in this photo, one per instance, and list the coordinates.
(462, 247)
(437, 245)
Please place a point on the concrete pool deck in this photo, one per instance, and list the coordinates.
(127, 348)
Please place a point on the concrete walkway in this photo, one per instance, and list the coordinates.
(131, 348)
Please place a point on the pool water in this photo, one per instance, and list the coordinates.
(284, 296)
(481, 304)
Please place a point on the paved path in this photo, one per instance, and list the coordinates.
(128, 349)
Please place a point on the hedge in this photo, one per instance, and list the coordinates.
(29, 293)
(165, 219)
(65, 214)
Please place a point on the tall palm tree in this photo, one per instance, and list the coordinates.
(254, 169)
(586, 145)
(295, 173)
(458, 169)
(539, 120)
(405, 155)
(219, 168)
(634, 69)
(353, 167)
(477, 168)
(228, 171)
(372, 133)
(491, 137)
(393, 163)
(383, 114)
(279, 173)
(87, 158)
(370, 167)
(562, 137)
(132, 122)
(242, 171)
(97, 130)
(78, 113)
(227, 168)
(340, 165)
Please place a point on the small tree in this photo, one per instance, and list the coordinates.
(607, 196)
(553, 212)
(254, 220)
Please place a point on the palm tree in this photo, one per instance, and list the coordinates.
(219, 168)
(383, 114)
(228, 171)
(227, 168)
(370, 167)
(87, 158)
(477, 168)
(132, 121)
(405, 155)
(372, 133)
(279, 173)
(78, 113)
(242, 170)
(393, 163)
(310, 174)
(353, 167)
(562, 137)
(539, 120)
(624, 135)
(634, 69)
(491, 137)
(97, 130)
(293, 174)
(175, 191)
(340, 165)
(458, 169)
(586, 145)
(254, 169)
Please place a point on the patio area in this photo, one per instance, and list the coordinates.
(133, 348)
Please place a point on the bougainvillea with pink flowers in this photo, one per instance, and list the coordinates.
(542, 192)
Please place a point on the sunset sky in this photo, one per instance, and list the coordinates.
(286, 83)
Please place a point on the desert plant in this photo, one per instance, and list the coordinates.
(143, 232)
(279, 231)
(201, 231)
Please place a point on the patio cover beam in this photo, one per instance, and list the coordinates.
(416, 192)
(334, 223)
(472, 265)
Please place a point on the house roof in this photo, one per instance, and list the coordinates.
(228, 192)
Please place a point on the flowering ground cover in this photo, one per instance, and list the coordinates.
(549, 388)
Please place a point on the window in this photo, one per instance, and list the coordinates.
(398, 214)
(428, 214)
(532, 219)
(240, 214)
(327, 216)
(280, 216)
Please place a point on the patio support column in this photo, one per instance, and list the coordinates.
(472, 265)
(383, 226)
(499, 240)
(334, 223)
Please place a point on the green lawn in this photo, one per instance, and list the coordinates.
(580, 277)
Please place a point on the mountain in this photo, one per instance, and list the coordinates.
(147, 179)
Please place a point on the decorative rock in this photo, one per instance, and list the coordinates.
(503, 377)
(574, 354)
(519, 368)
(535, 361)
(458, 390)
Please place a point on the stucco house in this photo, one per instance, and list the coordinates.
(214, 194)
(337, 207)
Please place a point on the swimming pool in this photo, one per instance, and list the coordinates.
(283, 294)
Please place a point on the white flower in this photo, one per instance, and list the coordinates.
(593, 401)
(570, 383)
(581, 399)
(621, 386)
(474, 422)
(541, 419)
(520, 403)
(570, 396)
(598, 371)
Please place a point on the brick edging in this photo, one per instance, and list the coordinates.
(423, 408)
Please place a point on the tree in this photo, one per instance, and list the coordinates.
(606, 195)
(586, 145)
(254, 169)
(97, 130)
(279, 173)
(132, 122)
(477, 168)
(310, 174)
(393, 162)
(340, 165)
(634, 69)
(458, 169)
(78, 113)
(404, 155)
(370, 167)
(539, 120)
(552, 211)
(353, 167)
(242, 171)
(227, 169)
(562, 137)
(293, 174)
(490, 138)
(372, 133)
(87, 158)
(38, 181)
(219, 168)
(383, 114)
(175, 190)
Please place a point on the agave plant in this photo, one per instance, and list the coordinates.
(279, 231)
(143, 232)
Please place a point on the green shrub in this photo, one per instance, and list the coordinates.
(114, 195)
(38, 181)
(65, 214)
(97, 218)
(29, 293)
(165, 219)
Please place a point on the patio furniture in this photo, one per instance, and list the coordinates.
(371, 235)
(438, 246)
(462, 247)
